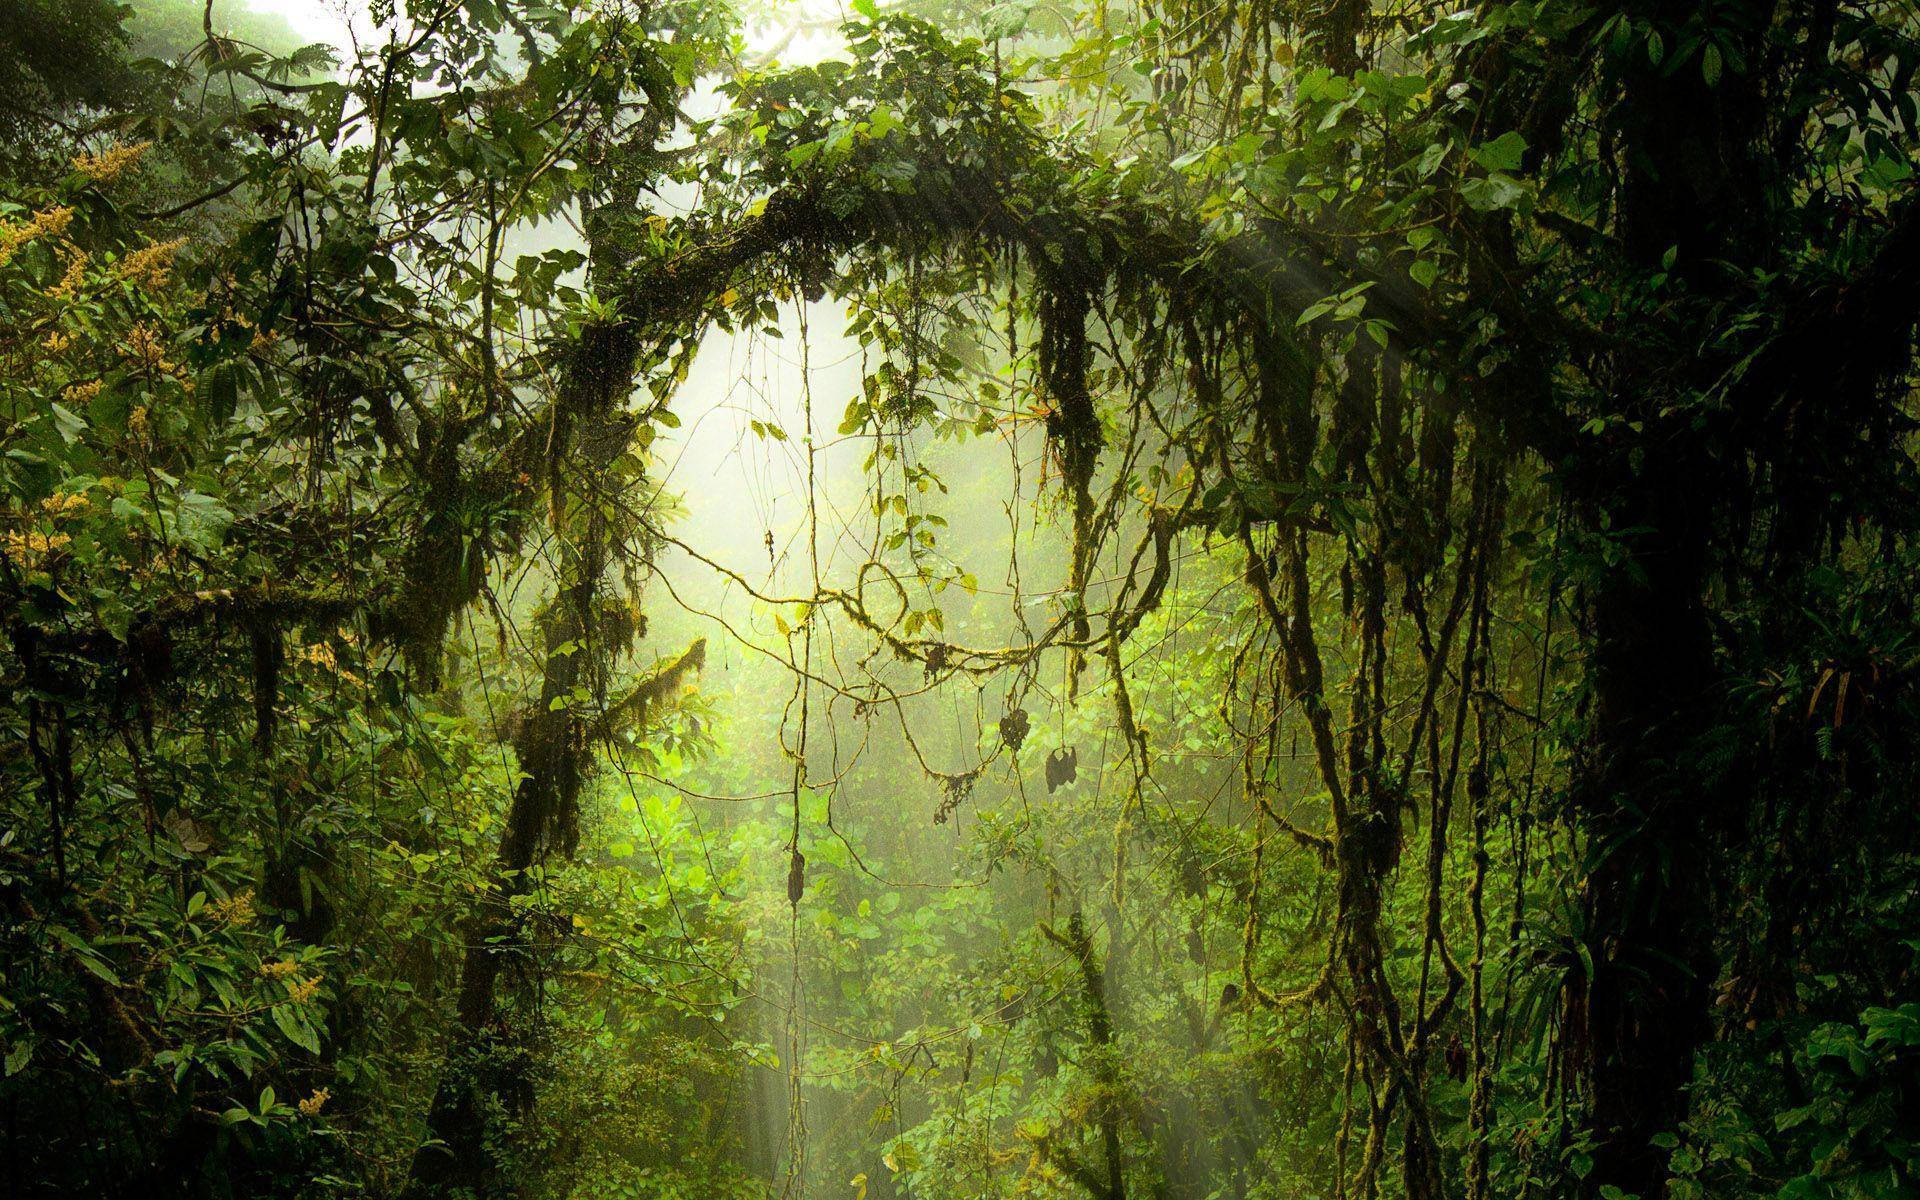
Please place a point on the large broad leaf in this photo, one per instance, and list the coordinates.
(1503, 153)
(1493, 192)
(297, 1030)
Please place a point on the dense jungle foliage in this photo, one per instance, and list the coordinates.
(1120, 598)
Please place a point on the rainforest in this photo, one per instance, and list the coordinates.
(1087, 600)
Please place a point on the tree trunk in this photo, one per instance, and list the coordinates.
(1652, 808)
(1648, 813)
(487, 1070)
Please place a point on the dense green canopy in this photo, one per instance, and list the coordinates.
(640, 598)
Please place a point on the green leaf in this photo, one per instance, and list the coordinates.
(1885, 171)
(1503, 153)
(69, 423)
(297, 1031)
(1492, 193)
(99, 968)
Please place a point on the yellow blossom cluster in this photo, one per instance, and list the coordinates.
(82, 393)
(151, 266)
(76, 274)
(300, 991)
(229, 315)
(311, 1106)
(279, 968)
(61, 505)
(58, 342)
(161, 564)
(29, 549)
(146, 348)
(321, 655)
(113, 162)
(48, 222)
(234, 910)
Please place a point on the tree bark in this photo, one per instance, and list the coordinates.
(1650, 806)
(487, 1071)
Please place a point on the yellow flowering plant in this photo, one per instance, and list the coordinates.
(262, 443)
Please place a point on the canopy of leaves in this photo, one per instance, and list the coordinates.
(1320, 603)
